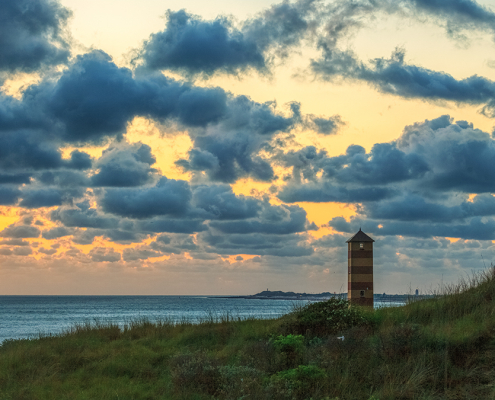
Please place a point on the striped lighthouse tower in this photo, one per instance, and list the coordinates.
(360, 269)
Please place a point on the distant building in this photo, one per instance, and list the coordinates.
(416, 292)
(360, 269)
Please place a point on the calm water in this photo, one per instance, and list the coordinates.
(29, 316)
(23, 317)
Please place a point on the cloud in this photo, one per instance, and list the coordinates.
(289, 245)
(63, 179)
(394, 76)
(457, 14)
(139, 254)
(14, 242)
(322, 192)
(41, 198)
(174, 244)
(172, 225)
(195, 46)
(83, 217)
(94, 99)
(167, 197)
(104, 254)
(220, 202)
(272, 220)
(124, 165)
(475, 228)
(15, 178)
(229, 151)
(32, 34)
(9, 195)
(434, 156)
(20, 232)
(56, 233)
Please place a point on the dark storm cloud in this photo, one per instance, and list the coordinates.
(228, 151)
(20, 232)
(322, 192)
(272, 220)
(15, 178)
(457, 13)
(9, 195)
(416, 208)
(56, 233)
(431, 157)
(37, 198)
(158, 225)
(226, 159)
(83, 218)
(195, 46)
(459, 157)
(476, 228)
(63, 179)
(290, 245)
(220, 202)
(167, 197)
(395, 77)
(24, 150)
(94, 99)
(41, 198)
(124, 165)
(79, 160)
(123, 236)
(282, 26)
(31, 34)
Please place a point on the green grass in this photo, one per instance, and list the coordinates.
(441, 348)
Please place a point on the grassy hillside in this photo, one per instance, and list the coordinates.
(441, 348)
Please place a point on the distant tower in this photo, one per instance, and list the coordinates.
(360, 273)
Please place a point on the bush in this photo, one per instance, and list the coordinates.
(195, 372)
(292, 346)
(298, 383)
(240, 382)
(328, 317)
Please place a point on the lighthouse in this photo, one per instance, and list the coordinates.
(360, 269)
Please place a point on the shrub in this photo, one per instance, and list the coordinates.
(238, 382)
(328, 317)
(195, 372)
(291, 345)
(298, 383)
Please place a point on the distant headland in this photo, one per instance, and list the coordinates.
(280, 295)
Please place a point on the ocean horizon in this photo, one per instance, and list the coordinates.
(33, 316)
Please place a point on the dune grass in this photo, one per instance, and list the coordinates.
(440, 348)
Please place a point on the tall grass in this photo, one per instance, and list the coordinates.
(440, 348)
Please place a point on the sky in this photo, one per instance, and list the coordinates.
(229, 147)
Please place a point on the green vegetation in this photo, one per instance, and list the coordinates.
(441, 348)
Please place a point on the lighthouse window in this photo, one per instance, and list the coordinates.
(361, 246)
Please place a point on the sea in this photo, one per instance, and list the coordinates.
(30, 317)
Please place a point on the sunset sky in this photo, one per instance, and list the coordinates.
(227, 147)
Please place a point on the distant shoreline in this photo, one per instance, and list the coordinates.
(279, 295)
